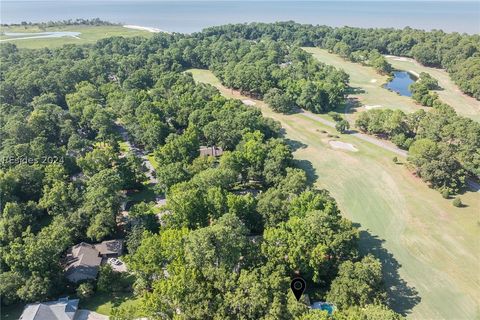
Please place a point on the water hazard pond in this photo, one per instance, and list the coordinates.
(400, 83)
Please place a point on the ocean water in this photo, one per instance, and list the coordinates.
(191, 16)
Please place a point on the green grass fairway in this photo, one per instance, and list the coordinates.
(367, 81)
(450, 93)
(88, 34)
(426, 244)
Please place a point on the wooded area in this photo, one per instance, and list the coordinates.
(235, 228)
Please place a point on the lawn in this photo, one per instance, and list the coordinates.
(88, 34)
(449, 93)
(103, 302)
(147, 194)
(429, 248)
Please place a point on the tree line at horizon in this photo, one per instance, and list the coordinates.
(62, 23)
(235, 228)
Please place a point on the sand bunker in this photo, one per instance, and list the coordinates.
(248, 102)
(370, 107)
(149, 29)
(373, 80)
(342, 145)
(414, 73)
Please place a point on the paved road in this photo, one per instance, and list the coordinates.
(378, 142)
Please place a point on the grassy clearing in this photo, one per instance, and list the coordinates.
(88, 34)
(103, 302)
(450, 93)
(425, 243)
(147, 194)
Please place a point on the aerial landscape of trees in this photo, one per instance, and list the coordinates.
(235, 228)
(442, 146)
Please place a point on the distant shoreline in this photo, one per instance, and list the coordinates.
(193, 16)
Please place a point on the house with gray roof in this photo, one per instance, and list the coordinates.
(62, 309)
(210, 151)
(83, 260)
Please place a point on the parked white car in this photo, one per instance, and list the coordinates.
(114, 261)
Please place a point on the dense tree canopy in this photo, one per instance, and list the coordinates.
(443, 147)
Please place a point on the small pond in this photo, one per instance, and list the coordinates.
(400, 83)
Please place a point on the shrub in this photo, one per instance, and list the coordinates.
(446, 193)
(395, 160)
(85, 290)
(342, 126)
(279, 101)
(457, 202)
(108, 279)
(335, 116)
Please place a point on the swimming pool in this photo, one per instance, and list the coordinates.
(324, 306)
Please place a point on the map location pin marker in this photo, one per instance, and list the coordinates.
(298, 286)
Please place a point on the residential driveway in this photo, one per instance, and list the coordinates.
(119, 268)
(89, 315)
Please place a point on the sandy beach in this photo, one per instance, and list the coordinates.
(149, 29)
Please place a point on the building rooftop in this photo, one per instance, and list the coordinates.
(83, 260)
(62, 309)
(211, 151)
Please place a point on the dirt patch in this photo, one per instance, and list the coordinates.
(342, 145)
